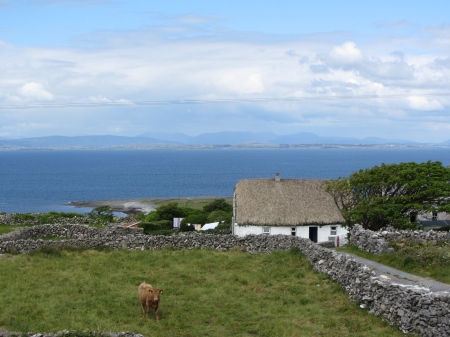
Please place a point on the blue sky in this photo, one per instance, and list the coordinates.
(110, 56)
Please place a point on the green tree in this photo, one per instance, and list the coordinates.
(220, 216)
(199, 218)
(388, 194)
(170, 211)
(103, 212)
(152, 216)
(218, 205)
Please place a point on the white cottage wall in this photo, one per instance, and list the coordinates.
(323, 233)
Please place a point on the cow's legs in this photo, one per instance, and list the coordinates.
(143, 311)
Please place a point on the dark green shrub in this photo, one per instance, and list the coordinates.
(170, 211)
(219, 215)
(150, 227)
(408, 261)
(102, 212)
(223, 226)
(152, 216)
(218, 205)
(185, 228)
(199, 218)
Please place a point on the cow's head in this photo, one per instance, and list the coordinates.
(154, 294)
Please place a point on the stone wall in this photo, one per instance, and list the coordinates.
(33, 219)
(67, 333)
(411, 309)
(378, 242)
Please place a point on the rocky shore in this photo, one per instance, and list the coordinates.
(123, 206)
(133, 206)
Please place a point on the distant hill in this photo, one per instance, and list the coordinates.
(234, 138)
(211, 139)
(79, 141)
(218, 138)
(310, 138)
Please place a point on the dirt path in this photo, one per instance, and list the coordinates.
(400, 277)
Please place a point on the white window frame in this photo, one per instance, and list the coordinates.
(333, 230)
(294, 231)
(266, 230)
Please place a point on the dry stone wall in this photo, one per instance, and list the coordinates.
(17, 219)
(70, 333)
(412, 309)
(378, 242)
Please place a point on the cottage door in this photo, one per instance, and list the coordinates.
(313, 234)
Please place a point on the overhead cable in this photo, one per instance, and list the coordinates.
(213, 101)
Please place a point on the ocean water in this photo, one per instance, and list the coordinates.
(42, 181)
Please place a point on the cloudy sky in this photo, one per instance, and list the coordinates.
(334, 68)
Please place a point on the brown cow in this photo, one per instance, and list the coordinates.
(149, 297)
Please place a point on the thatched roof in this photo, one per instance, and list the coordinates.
(288, 202)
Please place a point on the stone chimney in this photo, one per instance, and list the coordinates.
(277, 177)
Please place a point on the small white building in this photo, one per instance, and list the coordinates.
(286, 206)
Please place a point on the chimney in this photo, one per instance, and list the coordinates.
(277, 177)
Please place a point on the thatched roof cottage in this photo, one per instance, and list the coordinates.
(286, 206)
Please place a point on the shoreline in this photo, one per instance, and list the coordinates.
(144, 205)
(123, 206)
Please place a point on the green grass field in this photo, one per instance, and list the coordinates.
(206, 293)
(4, 229)
(194, 202)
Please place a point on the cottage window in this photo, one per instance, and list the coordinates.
(333, 230)
(293, 231)
(266, 230)
(434, 216)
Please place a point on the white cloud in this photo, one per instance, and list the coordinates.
(95, 99)
(425, 104)
(239, 82)
(153, 65)
(345, 54)
(4, 44)
(34, 91)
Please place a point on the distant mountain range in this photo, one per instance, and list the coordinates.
(210, 139)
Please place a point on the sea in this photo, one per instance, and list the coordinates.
(43, 181)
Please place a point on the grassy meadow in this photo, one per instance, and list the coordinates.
(193, 202)
(4, 229)
(206, 293)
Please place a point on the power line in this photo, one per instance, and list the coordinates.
(214, 101)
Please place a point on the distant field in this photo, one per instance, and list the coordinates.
(206, 293)
(196, 202)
